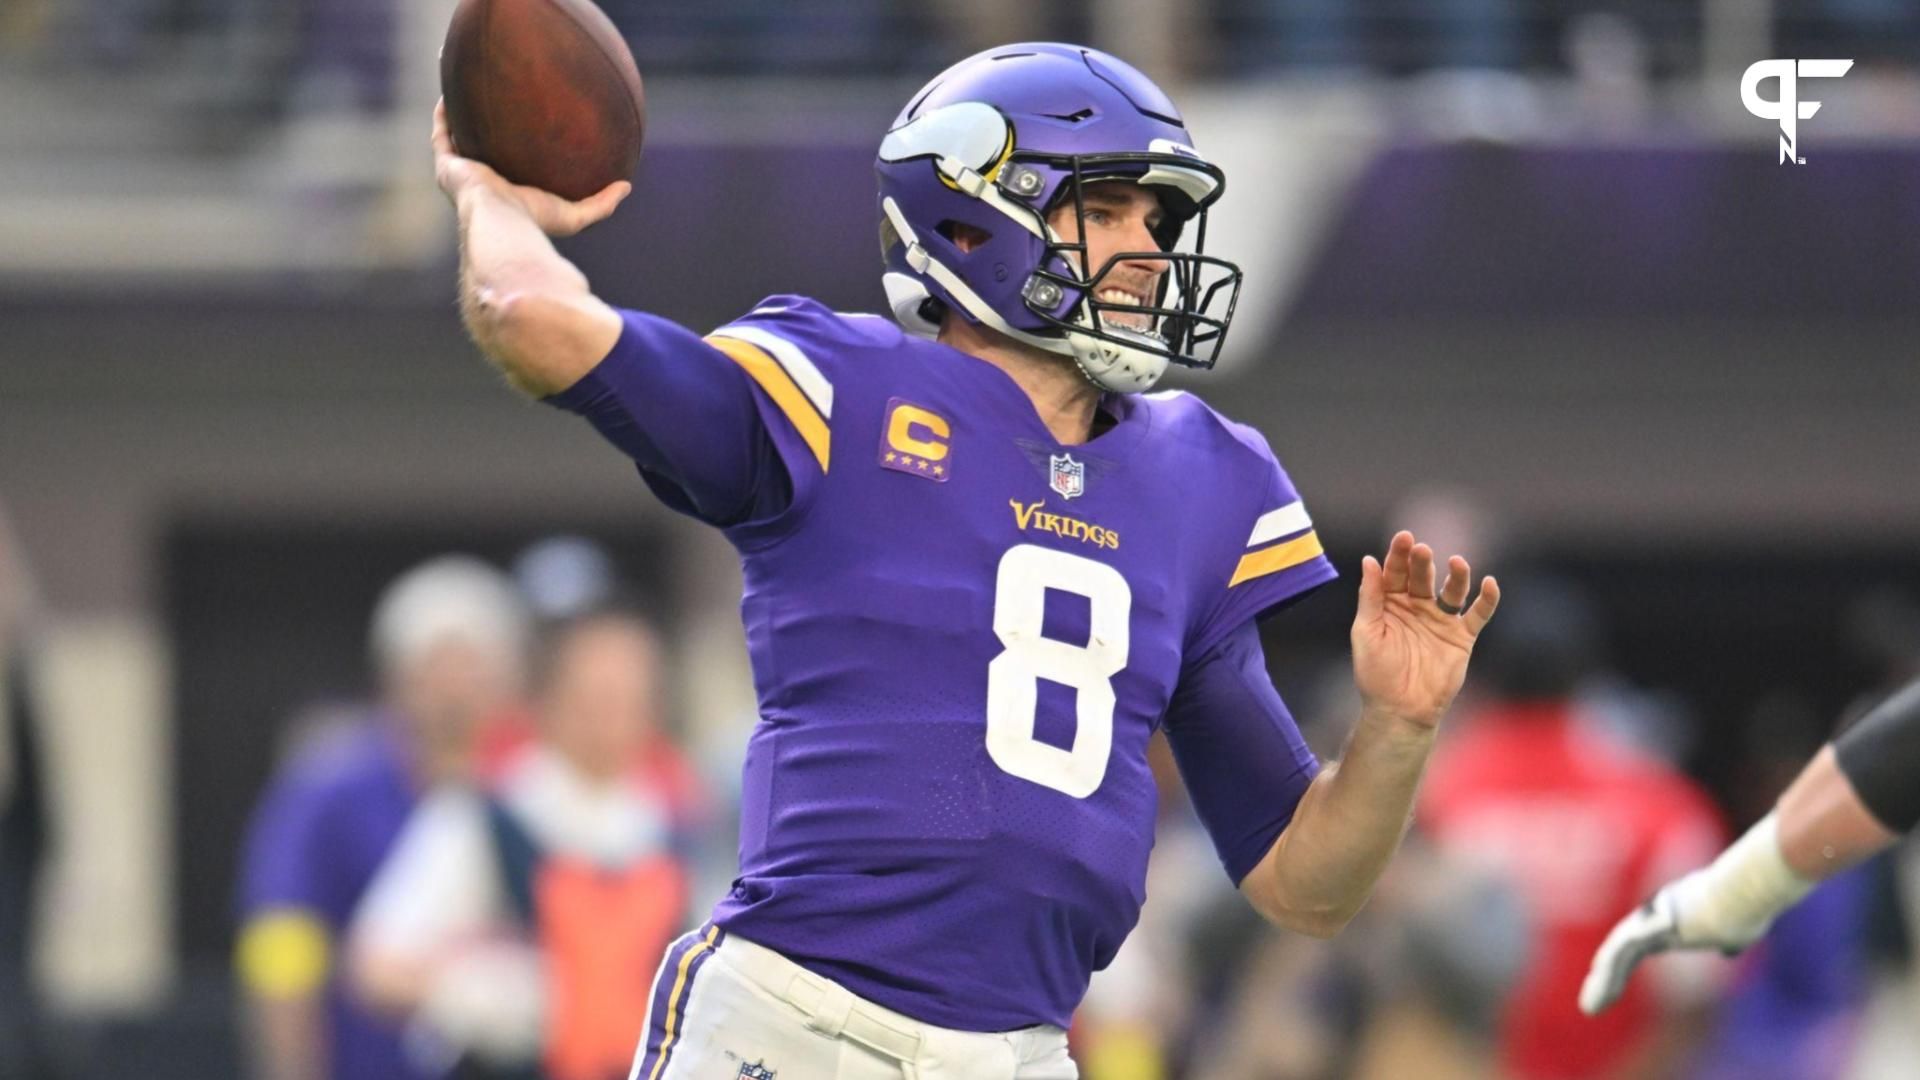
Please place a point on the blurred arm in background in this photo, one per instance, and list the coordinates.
(432, 940)
(1854, 799)
(285, 948)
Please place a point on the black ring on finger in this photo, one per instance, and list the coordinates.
(1441, 603)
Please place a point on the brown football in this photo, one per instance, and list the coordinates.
(545, 91)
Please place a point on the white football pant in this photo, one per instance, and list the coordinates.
(727, 1009)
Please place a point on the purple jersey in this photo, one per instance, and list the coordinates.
(963, 634)
(316, 839)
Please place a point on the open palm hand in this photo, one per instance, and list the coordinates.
(1411, 644)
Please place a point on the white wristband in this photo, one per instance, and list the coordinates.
(1733, 901)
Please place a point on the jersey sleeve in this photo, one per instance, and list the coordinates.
(1272, 556)
(733, 428)
(1240, 753)
(685, 413)
(285, 942)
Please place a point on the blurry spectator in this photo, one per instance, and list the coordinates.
(1448, 941)
(520, 924)
(564, 577)
(1413, 988)
(1286, 1016)
(24, 827)
(1583, 828)
(448, 643)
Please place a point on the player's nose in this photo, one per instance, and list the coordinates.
(1143, 270)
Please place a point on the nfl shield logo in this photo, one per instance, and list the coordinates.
(1069, 477)
(755, 1071)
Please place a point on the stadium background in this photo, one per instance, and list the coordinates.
(1534, 255)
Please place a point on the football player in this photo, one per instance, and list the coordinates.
(982, 565)
(1852, 800)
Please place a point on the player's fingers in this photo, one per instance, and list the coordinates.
(1372, 596)
(1420, 573)
(442, 135)
(1453, 592)
(602, 203)
(560, 217)
(1399, 559)
(1483, 607)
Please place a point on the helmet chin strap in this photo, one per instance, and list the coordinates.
(1109, 366)
(1114, 367)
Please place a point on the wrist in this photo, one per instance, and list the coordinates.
(468, 197)
(1399, 725)
(1733, 901)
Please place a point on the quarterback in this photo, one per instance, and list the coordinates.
(983, 564)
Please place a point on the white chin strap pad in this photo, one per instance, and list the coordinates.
(1114, 367)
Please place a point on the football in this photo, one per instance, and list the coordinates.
(545, 91)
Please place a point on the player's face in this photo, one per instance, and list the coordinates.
(602, 697)
(1120, 217)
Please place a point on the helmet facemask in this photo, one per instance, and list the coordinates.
(1121, 345)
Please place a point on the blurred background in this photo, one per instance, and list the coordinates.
(1523, 276)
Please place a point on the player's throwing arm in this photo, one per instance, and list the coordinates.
(1856, 796)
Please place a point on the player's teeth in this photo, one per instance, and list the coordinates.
(1115, 296)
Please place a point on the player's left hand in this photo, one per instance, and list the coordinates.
(1409, 651)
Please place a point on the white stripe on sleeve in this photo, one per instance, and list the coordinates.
(1274, 524)
(788, 355)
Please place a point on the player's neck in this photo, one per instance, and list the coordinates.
(1065, 400)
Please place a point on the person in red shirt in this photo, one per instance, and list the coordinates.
(1584, 827)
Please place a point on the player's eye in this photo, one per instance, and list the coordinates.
(1099, 217)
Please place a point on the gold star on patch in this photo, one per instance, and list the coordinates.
(937, 470)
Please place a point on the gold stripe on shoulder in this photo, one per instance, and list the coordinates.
(782, 389)
(1276, 558)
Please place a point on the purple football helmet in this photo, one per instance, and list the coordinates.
(998, 141)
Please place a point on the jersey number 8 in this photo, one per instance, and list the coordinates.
(1013, 677)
